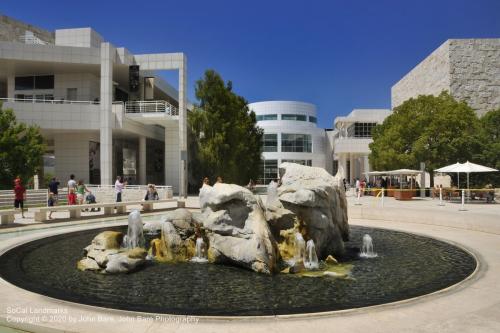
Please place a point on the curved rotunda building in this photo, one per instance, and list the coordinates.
(290, 135)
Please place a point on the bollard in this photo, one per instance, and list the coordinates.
(382, 197)
(463, 202)
(441, 197)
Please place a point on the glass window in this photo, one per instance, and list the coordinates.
(270, 142)
(300, 143)
(313, 119)
(269, 171)
(363, 130)
(44, 82)
(302, 162)
(24, 83)
(262, 117)
(296, 117)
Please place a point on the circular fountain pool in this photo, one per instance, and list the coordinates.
(407, 266)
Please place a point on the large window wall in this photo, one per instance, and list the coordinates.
(268, 171)
(270, 142)
(297, 143)
(361, 130)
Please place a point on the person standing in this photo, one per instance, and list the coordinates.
(119, 186)
(80, 192)
(20, 195)
(54, 189)
(357, 184)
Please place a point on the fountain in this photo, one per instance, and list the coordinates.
(135, 235)
(311, 259)
(201, 253)
(300, 247)
(367, 249)
(272, 193)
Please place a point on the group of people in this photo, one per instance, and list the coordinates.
(206, 181)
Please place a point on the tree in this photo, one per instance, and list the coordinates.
(224, 139)
(489, 155)
(21, 149)
(435, 130)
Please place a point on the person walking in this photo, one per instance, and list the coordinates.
(119, 186)
(20, 195)
(51, 203)
(54, 189)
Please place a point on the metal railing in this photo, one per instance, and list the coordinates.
(151, 107)
(47, 101)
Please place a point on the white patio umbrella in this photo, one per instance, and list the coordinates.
(449, 169)
(467, 168)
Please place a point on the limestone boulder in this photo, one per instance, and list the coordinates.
(318, 201)
(107, 240)
(106, 255)
(234, 222)
(125, 262)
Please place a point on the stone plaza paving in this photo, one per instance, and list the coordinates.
(471, 306)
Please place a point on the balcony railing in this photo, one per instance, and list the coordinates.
(151, 107)
(47, 101)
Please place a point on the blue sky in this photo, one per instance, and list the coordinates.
(338, 55)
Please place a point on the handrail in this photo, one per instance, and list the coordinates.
(48, 101)
(151, 107)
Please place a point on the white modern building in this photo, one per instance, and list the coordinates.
(103, 111)
(290, 135)
(350, 139)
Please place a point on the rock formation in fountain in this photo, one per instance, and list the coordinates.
(178, 237)
(315, 198)
(112, 252)
(237, 231)
(231, 227)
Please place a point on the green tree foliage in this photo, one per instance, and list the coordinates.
(435, 130)
(21, 149)
(224, 139)
(489, 155)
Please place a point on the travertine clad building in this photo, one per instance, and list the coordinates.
(103, 111)
(469, 69)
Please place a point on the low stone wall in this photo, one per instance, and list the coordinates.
(109, 195)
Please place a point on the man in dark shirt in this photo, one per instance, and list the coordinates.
(53, 185)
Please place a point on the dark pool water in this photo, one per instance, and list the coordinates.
(407, 266)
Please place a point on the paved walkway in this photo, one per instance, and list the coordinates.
(472, 306)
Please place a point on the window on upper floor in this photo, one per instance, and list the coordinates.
(262, 117)
(299, 143)
(270, 142)
(363, 130)
(313, 119)
(296, 117)
(34, 82)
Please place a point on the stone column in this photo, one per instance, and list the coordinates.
(106, 117)
(366, 166)
(142, 160)
(172, 156)
(351, 168)
(11, 85)
(183, 128)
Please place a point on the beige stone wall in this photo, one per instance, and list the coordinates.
(11, 30)
(430, 77)
(467, 68)
(475, 72)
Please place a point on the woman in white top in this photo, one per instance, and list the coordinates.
(119, 185)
